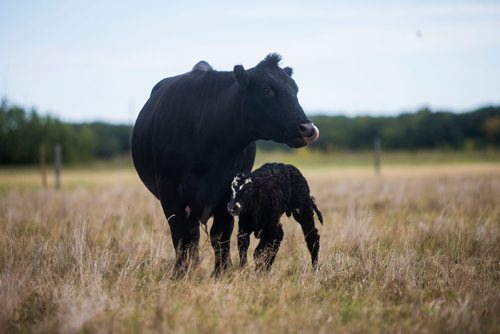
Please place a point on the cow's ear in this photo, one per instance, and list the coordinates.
(288, 70)
(241, 75)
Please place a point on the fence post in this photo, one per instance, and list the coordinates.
(376, 154)
(43, 166)
(57, 165)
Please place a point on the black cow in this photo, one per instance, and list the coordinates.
(260, 199)
(198, 130)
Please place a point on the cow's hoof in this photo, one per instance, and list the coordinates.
(180, 271)
(178, 274)
(221, 269)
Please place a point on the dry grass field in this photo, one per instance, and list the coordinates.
(414, 251)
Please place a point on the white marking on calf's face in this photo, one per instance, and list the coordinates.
(247, 181)
(234, 184)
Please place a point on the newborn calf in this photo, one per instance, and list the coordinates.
(260, 199)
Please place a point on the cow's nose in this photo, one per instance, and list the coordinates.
(306, 130)
(309, 132)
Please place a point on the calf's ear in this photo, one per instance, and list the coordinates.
(241, 175)
(241, 75)
(288, 70)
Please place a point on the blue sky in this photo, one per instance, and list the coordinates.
(99, 60)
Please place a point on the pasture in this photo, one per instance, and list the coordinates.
(415, 251)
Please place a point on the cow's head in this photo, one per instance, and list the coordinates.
(271, 106)
(242, 195)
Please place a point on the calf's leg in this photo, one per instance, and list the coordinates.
(244, 231)
(243, 244)
(268, 247)
(306, 220)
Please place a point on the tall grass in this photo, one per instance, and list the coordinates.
(414, 251)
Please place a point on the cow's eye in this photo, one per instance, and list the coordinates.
(268, 91)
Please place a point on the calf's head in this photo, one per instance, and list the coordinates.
(242, 195)
(271, 106)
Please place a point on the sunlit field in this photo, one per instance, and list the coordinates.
(414, 250)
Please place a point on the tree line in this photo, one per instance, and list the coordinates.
(423, 129)
(24, 131)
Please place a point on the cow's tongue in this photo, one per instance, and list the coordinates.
(314, 137)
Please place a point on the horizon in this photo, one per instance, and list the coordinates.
(331, 113)
(91, 62)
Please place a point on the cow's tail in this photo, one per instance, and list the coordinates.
(320, 215)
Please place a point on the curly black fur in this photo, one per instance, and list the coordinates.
(260, 199)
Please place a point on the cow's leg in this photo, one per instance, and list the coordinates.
(220, 237)
(268, 247)
(244, 231)
(194, 237)
(305, 218)
(180, 228)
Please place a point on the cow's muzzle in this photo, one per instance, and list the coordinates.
(309, 132)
